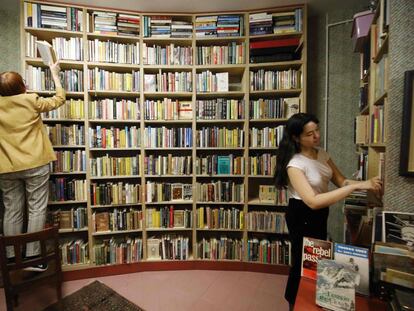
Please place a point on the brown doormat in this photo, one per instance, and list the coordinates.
(95, 297)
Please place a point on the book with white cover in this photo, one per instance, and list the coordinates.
(222, 81)
(46, 52)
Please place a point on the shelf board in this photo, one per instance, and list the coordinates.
(63, 63)
(116, 205)
(168, 176)
(221, 176)
(260, 176)
(180, 202)
(155, 40)
(76, 266)
(121, 38)
(63, 120)
(219, 203)
(168, 148)
(276, 35)
(114, 177)
(219, 229)
(276, 92)
(277, 65)
(263, 148)
(67, 173)
(156, 68)
(51, 93)
(168, 229)
(189, 122)
(114, 121)
(220, 148)
(365, 110)
(223, 39)
(278, 120)
(380, 99)
(382, 50)
(377, 145)
(231, 68)
(49, 34)
(201, 121)
(73, 230)
(167, 94)
(66, 202)
(266, 232)
(100, 233)
(113, 93)
(68, 147)
(113, 66)
(229, 94)
(115, 149)
(258, 202)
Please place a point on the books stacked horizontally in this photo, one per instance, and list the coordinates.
(274, 50)
(260, 24)
(157, 26)
(287, 22)
(128, 25)
(229, 26)
(181, 29)
(104, 23)
(206, 26)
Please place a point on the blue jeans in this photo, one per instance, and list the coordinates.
(28, 188)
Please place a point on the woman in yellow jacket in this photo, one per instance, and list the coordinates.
(25, 153)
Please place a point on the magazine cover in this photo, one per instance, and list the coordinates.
(357, 259)
(335, 286)
(313, 250)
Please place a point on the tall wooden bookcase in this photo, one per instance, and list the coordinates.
(193, 136)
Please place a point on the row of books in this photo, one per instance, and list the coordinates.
(273, 108)
(168, 82)
(270, 194)
(110, 23)
(220, 165)
(66, 135)
(115, 166)
(208, 81)
(40, 79)
(160, 165)
(370, 128)
(264, 164)
(113, 193)
(264, 79)
(65, 189)
(74, 218)
(266, 222)
(111, 251)
(219, 26)
(266, 137)
(173, 247)
(220, 109)
(168, 217)
(73, 109)
(163, 137)
(277, 22)
(167, 55)
(114, 137)
(114, 109)
(220, 249)
(74, 252)
(162, 192)
(168, 109)
(113, 52)
(220, 137)
(52, 17)
(101, 80)
(68, 161)
(265, 251)
(220, 218)
(232, 53)
(219, 191)
(117, 220)
(275, 50)
(158, 26)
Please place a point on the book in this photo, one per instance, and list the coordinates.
(47, 53)
(153, 248)
(177, 192)
(292, 106)
(178, 219)
(398, 227)
(267, 193)
(223, 165)
(335, 285)
(185, 110)
(357, 259)
(187, 192)
(313, 251)
(222, 81)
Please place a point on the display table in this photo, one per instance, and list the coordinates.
(305, 300)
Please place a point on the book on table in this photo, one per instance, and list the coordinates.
(313, 251)
(47, 53)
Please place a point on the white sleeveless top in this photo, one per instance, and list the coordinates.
(317, 172)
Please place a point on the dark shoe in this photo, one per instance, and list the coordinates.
(38, 268)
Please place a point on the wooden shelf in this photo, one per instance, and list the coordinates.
(382, 50)
(114, 177)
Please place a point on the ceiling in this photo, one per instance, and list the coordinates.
(196, 6)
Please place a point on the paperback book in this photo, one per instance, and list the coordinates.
(313, 251)
(47, 53)
(335, 286)
(357, 259)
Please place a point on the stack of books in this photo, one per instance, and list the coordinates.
(128, 25)
(260, 24)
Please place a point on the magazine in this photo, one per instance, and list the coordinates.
(356, 258)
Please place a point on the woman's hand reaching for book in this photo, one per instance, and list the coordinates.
(55, 70)
(374, 184)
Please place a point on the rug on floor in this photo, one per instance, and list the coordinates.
(95, 297)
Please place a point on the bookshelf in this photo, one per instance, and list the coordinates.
(171, 129)
(371, 124)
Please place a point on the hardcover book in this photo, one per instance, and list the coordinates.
(178, 219)
(335, 286)
(313, 251)
(357, 259)
(267, 193)
(185, 110)
(187, 192)
(223, 165)
(47, 53)
(176, 192)
(153, 248)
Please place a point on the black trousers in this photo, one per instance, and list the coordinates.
(302, 221)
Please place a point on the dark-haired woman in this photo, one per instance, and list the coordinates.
(306, 170)
(25, 153)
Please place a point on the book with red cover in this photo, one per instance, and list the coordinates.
(313, 251)
(274, 43)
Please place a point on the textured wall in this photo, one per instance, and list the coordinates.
(10, 35)
(343, 93)
(399, 191)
